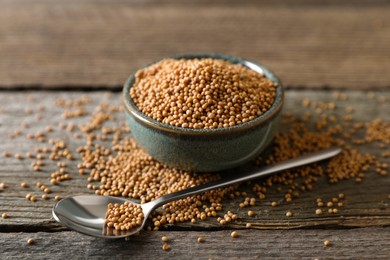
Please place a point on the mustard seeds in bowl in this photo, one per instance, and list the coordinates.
(205, 112)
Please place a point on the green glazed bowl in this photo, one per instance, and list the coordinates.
(205, 150)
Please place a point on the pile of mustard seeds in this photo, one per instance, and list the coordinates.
(124, 217)
(201, 93)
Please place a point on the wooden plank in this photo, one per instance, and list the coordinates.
(363, 243)
(98, 44)
(367, 204)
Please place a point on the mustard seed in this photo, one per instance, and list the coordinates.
(24, 185)
(45, 197)
(251, 213)
(201, 239)
(4, 215)
(165, 247)
(164, 239)
(57, 197)
(289, 214)
(7, 154)
(18, 156)
(327, 243)
(234, 234)
(248, 225)
(30, 241)
(318, 211)
(274, 204)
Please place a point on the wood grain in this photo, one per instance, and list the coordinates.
(73, 44)
(365, 243)
(367, 204)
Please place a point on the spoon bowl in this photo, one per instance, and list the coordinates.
(87, 213)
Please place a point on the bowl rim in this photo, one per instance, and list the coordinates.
(276, 107)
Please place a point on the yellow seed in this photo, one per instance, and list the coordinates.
(201, 239)
(248, 225)
(7, 154)
(318, 211)
(45, 197)
(289, 214)
(251, 213)
(30, 241)
(4, 215)
(165, 247)
(18, 156)
(327, 243)
(274, 204)
(234, 234)
(24, 185)
(57, 197)
(164, 239)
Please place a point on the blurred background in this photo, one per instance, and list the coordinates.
(97, 44)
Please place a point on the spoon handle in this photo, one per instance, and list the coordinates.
(268, 170)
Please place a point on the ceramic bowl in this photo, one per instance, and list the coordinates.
(205, 150)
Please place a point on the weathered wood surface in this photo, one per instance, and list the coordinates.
(363, 243)
(367, 204)
(96, 44)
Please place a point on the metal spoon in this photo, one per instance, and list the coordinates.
(86, 213)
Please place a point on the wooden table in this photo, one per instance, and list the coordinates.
(68, 49)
